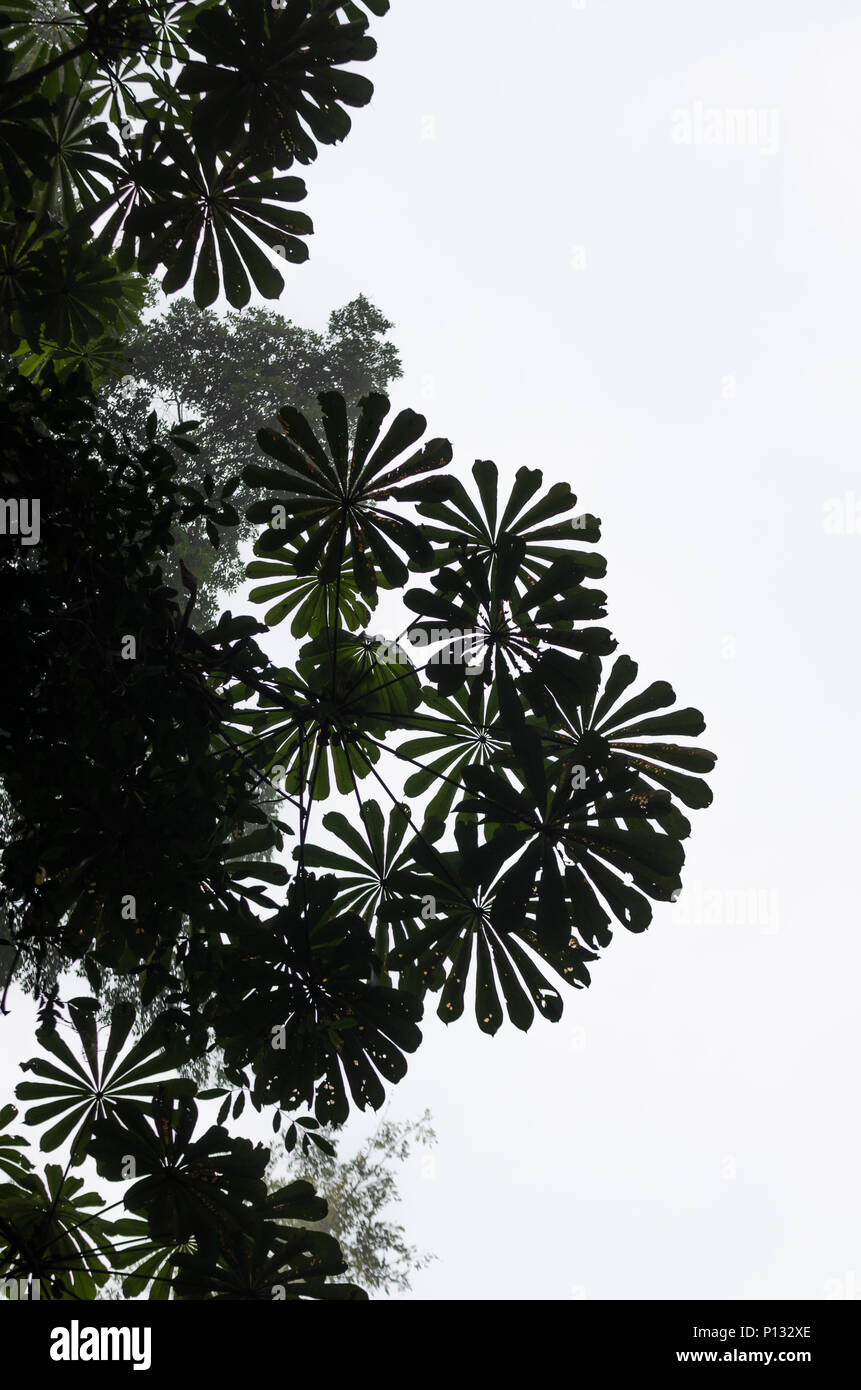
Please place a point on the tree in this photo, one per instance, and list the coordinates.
(512, 793)
(358, 1191)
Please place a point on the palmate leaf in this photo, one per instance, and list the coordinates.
(83, 160)
(271, 1262)
(366, 865)
(458, 734)
(461, 945)
(141, 175)
(169, 24)
(302, 1013)
(489, 628)
(97, 359)
(518, 539)
(51, 1231)
(79, 296)
(186, 1187)
(74, 1094)
(331, 493)
(210, 221)
(39, 30)
(574, 845)
(274, 75)
(150, 1263)
(355, 689)
(118, 94)
(603, 731)
(327, 715)
(311, 599)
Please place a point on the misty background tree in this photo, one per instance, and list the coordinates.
(360, 1189)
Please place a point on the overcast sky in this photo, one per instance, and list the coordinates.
(673, 327)
(622, 242)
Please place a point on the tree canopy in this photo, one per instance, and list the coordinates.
(504, 792)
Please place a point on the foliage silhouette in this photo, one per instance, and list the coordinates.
(504, 799)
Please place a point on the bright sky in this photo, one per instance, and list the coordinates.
(599, 264)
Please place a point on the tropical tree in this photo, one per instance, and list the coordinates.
(502, 790)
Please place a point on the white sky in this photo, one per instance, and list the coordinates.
(595, 1158)
(690, 1128)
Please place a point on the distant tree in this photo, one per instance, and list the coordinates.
(358, 1190)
